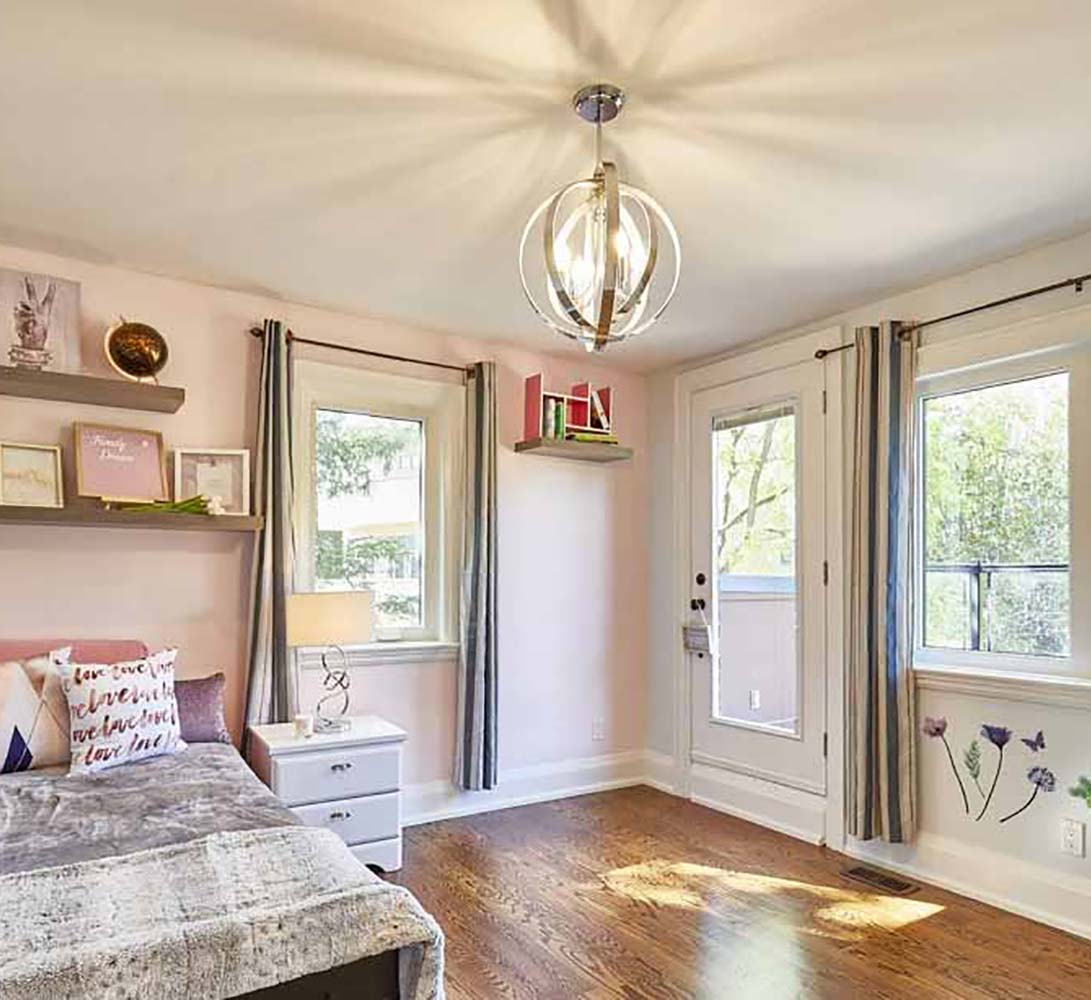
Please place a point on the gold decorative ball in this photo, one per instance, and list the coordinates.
(136, 350)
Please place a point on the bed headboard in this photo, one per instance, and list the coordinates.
(83, 650)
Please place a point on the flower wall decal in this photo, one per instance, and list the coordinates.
(1041, 778)
(937, 729)
(1082, 790)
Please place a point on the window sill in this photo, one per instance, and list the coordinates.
(1065, 691)
(376, 654)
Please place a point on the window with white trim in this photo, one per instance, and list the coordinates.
(1002, 554)
(378, 466)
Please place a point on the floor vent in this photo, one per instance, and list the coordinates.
(880, 880)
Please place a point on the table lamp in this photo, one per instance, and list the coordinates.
(330, 621)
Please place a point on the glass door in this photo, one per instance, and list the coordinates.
(758, 565)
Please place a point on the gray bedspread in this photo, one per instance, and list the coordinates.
(48, 818)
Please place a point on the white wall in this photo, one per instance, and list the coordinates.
(573, 563)
(1019, 865)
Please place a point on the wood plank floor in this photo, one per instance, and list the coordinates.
(635, 893)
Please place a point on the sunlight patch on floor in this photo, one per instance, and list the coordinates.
(832, 911)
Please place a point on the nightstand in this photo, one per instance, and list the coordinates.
(349, 782)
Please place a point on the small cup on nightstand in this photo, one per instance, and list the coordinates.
(304, 726)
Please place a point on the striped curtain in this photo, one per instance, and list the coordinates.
(270, 693)
(881, 764)
(475, 752)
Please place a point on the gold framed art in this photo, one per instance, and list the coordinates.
(31, 475)
(120, 463)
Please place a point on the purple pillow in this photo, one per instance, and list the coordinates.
(201, 709)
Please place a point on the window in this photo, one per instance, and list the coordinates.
(378, 467)
(995, 520)
(1003, 546)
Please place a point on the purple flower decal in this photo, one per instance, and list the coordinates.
(937, 729)
(934, 727)
(1043, 780)
(998, 736)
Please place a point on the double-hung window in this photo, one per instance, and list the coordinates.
(1003, 553)
(378, 466)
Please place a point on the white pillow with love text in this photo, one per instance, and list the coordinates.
(121, 712)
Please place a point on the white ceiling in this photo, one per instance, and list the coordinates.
(381, 157)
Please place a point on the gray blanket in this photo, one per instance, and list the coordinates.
(48, 818)
(211, 918)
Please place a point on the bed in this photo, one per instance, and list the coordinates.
(184, 876)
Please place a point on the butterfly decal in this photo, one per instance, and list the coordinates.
(1036, 744)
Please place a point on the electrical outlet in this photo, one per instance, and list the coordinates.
(1072, 837)
(755, 699)
(598, 729)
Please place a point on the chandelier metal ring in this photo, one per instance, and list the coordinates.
(601, 246)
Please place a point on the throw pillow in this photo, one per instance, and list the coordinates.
(121, 712)
(201, 709)
(33, 713)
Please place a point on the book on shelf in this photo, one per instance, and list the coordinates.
(593, 437)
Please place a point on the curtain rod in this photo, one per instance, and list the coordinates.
(1076, 283)
(257, 331)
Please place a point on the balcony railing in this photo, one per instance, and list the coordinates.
(980, 576)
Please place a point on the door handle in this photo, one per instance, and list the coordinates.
(698, 603)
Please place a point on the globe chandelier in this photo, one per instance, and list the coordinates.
(592, 258)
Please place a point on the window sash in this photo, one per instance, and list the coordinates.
(976, 364)
(439, 407)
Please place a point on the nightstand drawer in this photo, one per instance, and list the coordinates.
(336, 774)
(356, 821)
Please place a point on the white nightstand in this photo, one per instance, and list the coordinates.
(348, 782)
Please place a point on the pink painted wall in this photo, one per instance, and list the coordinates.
(573, 552)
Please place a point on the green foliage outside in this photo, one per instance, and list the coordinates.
(996, 492)
(348, 449)
(755, 497)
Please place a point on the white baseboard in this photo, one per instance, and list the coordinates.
(792, 811)
(1021, 887)
(435, 800)
(659, 771)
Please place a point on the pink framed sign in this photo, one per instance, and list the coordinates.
(120, 463)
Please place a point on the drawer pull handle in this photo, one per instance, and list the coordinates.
(339, 815)
(340, 767)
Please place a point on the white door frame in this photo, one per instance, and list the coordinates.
(731, 369)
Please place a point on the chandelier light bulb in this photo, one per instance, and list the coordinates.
(599, 259)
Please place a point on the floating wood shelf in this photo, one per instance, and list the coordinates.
(91, 515)
(70, 388)
(581, 451)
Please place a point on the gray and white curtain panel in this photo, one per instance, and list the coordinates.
(270, 694)
(881, 713)
(475, 752)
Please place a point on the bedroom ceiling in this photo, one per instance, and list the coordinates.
(382, 157)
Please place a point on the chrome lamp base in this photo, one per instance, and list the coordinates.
(336, 683)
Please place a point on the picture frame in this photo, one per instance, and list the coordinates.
(125, 464)
(39, 321)
(222, 473)
(31, 475)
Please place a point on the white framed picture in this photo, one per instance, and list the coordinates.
(221, 475)
(39, 321)
(30, 475)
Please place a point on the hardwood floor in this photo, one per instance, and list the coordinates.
(635, 893)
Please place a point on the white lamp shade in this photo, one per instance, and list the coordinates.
(333, 619)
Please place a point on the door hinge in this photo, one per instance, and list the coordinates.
(825, 745)
(825, 573)
(823, 400)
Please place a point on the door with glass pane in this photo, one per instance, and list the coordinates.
(758, 558)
